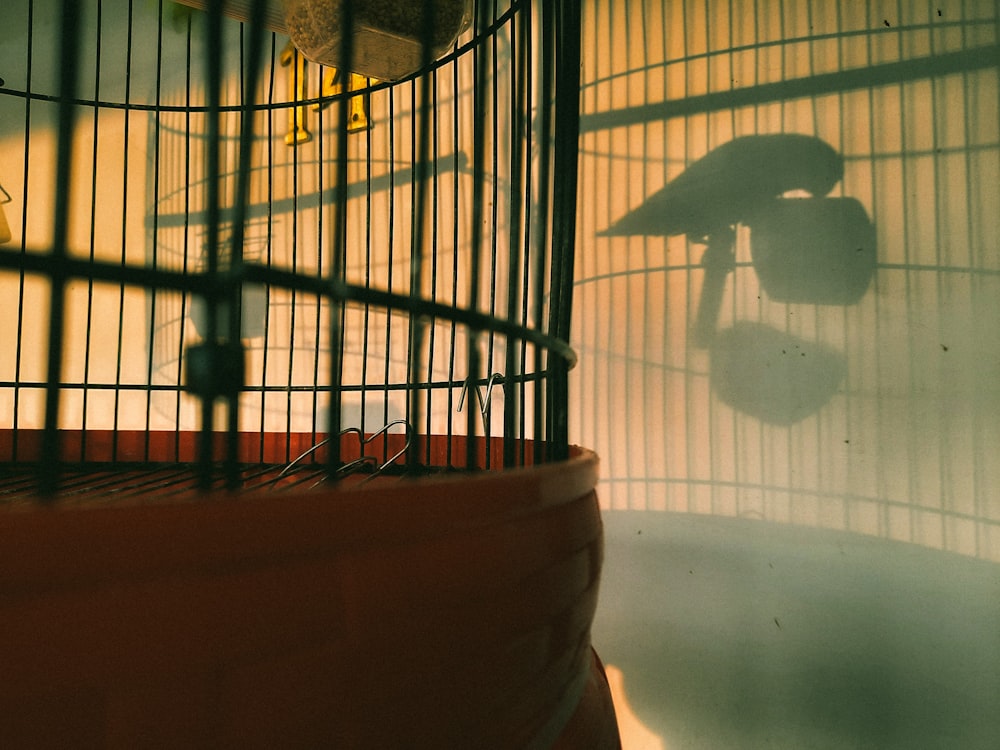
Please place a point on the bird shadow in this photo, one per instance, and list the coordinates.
(733, 182)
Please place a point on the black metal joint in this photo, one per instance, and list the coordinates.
(215, 369)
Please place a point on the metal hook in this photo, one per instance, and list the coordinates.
(484, 403)
(347, 468)
(6, 195)
(291, 464)
(359, 462)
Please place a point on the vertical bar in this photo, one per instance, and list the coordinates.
(849, 406)
(884, 519)
(978, 290)
(520, 74)
(478, 195)
(455, 211)
(666, 352)
(297, 85)
(337, 266)
(528, 259)
(391, 237)
(648, 298)
(25, 176)
(155, 226)
(434, 157)
(186, 299)
(242, 198)
(214, 300)
(976, 261)
(486, 413)
(88, 327)
(69, 52)
(542, 421)
(269, 182)
(417, 324)
(913, 474)
(120, 344)
(736, 470)
(566, 133)
(365, 340)
(689, 369)
(320, 238)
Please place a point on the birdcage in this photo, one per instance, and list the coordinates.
(283, 398)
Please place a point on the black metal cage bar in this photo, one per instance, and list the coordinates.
(281, 265)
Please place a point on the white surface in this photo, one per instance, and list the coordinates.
(744, 634)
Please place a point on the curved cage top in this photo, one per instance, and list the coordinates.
(221, 249)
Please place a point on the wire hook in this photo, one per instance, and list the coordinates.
(497, 378)
(357, 463)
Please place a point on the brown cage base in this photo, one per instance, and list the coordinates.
(444, 612)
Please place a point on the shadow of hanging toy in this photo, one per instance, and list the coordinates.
(774, 376)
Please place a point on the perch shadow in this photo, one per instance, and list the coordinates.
(977, 58)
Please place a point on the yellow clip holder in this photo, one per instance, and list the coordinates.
(5, 234)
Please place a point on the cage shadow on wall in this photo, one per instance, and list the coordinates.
(834, 363)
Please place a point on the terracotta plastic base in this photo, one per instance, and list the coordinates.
(452, 612)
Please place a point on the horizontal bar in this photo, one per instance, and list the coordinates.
(220, 284)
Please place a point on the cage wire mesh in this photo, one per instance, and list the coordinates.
(224, 253)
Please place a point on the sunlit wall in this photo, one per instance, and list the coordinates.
(833, 394)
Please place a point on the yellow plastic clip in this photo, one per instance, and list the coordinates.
(331, 84)
(5, 234)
